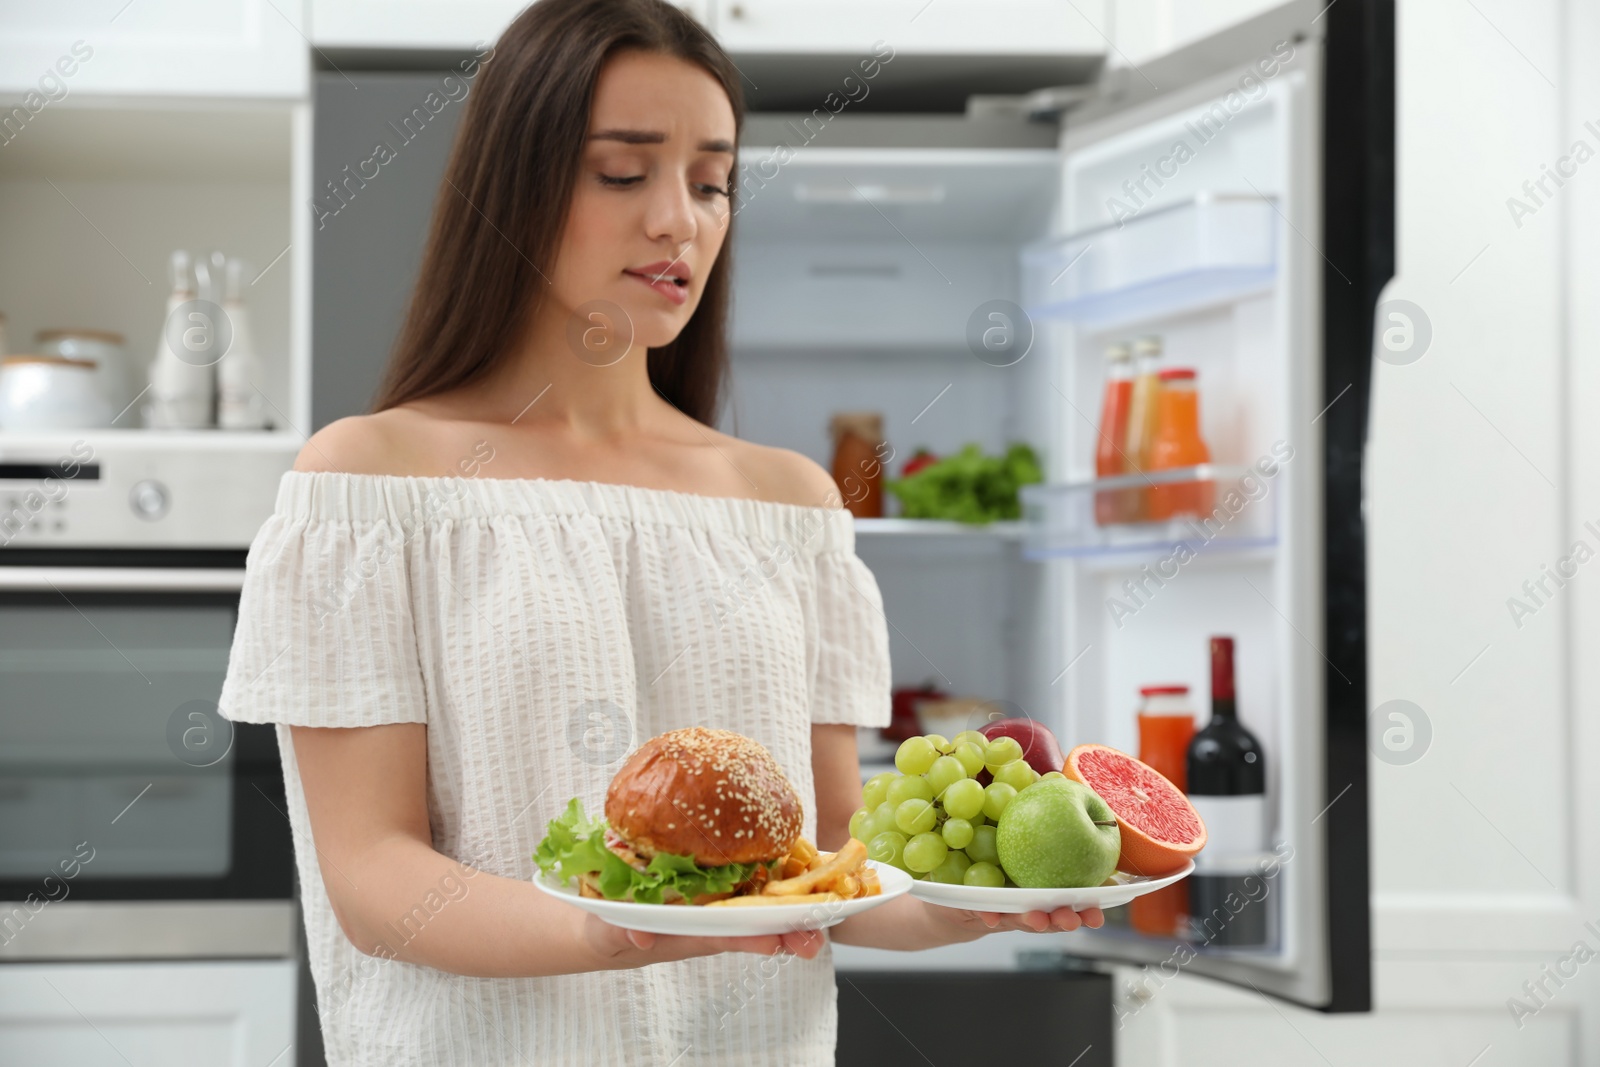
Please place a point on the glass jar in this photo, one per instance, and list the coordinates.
(858, 448)
(1166, 723)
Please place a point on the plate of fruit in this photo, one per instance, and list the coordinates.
(999, 820)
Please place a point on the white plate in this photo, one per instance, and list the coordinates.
(1014, 901)
(736, 921)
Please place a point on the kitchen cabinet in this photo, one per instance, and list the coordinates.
(1431, 1013)
(52, 53)
(894, 1017)
(235, 1014)
(1144, 29)
(96, 192)
(743, 27)
(990, 27)
(462, 24)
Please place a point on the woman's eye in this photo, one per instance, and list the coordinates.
(705, 188)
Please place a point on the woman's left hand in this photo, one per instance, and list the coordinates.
(978, 923)
(908, 924)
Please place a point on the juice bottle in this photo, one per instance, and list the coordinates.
(1166, 726)
(1177, 443)
(1142, 417)
(1110, 455)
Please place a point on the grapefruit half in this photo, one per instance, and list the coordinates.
(1161, 831)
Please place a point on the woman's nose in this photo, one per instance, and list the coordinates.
(670, 214)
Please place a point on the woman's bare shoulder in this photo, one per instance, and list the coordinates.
(386, 442)
(788, 477)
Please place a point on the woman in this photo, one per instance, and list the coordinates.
(535, 554)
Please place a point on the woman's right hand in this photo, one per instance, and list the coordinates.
(366, 793)
(635, 948)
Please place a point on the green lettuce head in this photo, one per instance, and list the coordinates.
(575, 845)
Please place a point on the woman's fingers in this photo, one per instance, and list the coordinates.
(766, 945)
(684, 947)
(805, 944)
(1039, 922)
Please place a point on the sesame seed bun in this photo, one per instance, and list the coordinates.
(713, 795)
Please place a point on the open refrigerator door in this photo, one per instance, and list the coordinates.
(1225, 225)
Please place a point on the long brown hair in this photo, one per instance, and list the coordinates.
(504, 202)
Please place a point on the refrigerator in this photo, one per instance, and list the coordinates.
(961, 275)
(1235, 200)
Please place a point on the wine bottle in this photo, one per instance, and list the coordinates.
(1227, 784)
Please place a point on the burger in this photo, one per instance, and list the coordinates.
(693, 816)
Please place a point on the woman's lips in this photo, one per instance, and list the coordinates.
(663, 285)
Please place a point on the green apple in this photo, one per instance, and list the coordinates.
(1058, 834)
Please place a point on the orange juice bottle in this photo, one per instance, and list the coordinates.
(1177, 443)
(1166, 726)
(1110, 455)
(1142, 414)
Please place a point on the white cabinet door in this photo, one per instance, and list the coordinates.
(968, 27)
(1444, 1012)
(1144, 29)
(49, 52)
(148, 1014)
(422, 23)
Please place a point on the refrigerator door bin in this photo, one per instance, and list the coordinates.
(1060, 519)
(1209, 250)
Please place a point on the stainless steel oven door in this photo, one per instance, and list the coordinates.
(119, 782)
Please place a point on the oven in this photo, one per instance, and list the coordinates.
(135, 822)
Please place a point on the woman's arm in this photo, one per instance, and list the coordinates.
(365, 790)
(906, 923)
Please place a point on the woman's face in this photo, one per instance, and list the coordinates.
(650, 199)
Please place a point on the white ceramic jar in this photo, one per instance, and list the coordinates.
(106, 349)
(39, 392)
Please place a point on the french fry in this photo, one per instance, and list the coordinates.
(870, 886)
(816, 861)
(845, 861)
(847, 886)
(755, 900)
(802, 850)
(792, 867)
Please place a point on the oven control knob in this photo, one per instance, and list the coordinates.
(149, 499)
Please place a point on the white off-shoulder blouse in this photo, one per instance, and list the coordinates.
(542, 629)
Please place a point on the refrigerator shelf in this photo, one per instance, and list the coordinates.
(1060, 518)
(938, 528)
(1213, 249)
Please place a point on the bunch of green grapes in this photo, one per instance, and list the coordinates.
(934, 820)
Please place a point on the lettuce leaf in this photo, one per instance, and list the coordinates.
(575, 845)
(968, 486)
